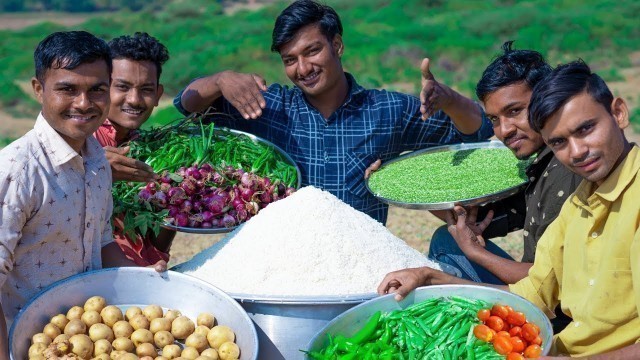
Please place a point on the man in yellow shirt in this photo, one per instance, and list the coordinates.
(588, 258)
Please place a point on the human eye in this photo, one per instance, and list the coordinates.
(288, 61)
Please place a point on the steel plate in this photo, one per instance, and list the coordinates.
(349, 322)
(255, 139)
(477, 201)
(133, 286)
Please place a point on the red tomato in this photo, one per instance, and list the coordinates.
(515, 331)
(532, 352)
(500, 311)
(503, 333)
(496, 323)
(529, 332)
(502, 345)
(484, 314)
(483, 333)
(518, 344)
(537, 340)
(515, 356)
(509, 308)
(516, 318)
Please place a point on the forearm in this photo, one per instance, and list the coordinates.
(112, 256)
(509, 271)
(201, 93)
(4, 337)
(465, 114)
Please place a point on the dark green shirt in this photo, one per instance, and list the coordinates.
(550, 184)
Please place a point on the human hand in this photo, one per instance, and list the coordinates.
(243, 91)
(160, 266)
(126, 168)
(464, 229)
(434, 96)
(402, 282)
(373, 167)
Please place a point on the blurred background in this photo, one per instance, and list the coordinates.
(385, 41)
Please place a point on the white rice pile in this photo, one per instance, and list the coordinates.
(309, 243)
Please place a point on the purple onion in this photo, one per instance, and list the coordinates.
(182, 220)
(228, 221)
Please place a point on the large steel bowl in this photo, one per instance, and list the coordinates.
(127, 287)
(352, 320)
(475, 201)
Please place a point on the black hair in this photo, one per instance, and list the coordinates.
(565, 82)
(300, 14)
(68, 50)
(513, 66)
(140, 47)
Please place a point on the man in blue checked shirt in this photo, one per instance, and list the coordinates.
(331, 126)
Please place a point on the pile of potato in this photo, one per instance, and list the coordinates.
(101, 331)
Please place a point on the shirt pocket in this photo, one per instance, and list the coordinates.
(356, 164)
(615, 304)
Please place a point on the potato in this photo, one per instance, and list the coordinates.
(60, 321)
(206, 319)
(37, 349)
(111, 314)
(74, 327)
(52, 330)
(189, 353)
(123, 344)
(61, 338)
(139, 322)
(122, 328)
(160, 324)
(171, 351)
(41, 338)
(81, 346)
(152, 312)
(228, 351)
(161, 358)
(141, 336)
(146, 349)
(102, 346)
(75, 313)
(116, 354)
(202, 357)
(131, 312)
(182, 327)
(202, 330)
(38, 357)
(219, 335)
(146, 358)
(172, 314)
(101, 331)
(197, 341)
(163, 338)
(102, 357)
(95, 303)
(91, 317)
(210, 353)
(127, 356)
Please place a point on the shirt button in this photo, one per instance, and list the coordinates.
(326, 157)
(591, 282)
(88, 225)
(86, 268)
(594, 234)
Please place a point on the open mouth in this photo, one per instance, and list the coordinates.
(81, 118)
(133, 112)
(310, 79)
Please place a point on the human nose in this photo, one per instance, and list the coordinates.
(304, 67)
(134, 97)
(506, 126)
(83, 101)
(578, 150)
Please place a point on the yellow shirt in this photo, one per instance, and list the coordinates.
(589, 259)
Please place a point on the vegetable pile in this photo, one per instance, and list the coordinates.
(203, 161)
(448, 176)
(509, 332)
(437, 328)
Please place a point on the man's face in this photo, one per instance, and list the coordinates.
(75, 102)
(586, 138)
(134, 92)
(312, 62)
(507, 110)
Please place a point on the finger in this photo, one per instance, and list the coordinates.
(252, 104)
(160, 266)
(449, 217)
(472, 215)
(260, 81)
(461, 213)
(480, 241)
(386, 283)
(424, 69)
(117, 150)
(373, 167)
(403, 291)
(486, 221)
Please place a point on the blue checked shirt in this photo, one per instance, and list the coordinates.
(334, 153)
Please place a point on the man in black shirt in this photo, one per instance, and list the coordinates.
(505, 89)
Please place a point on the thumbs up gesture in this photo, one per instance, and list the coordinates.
(434, 96)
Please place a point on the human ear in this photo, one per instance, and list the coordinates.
(620, 112)
(38, 89)
(338, 45)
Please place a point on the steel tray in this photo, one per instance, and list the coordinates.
(477, 201)
(222, 230)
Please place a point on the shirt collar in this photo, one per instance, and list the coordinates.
(57, 148)
(354, 90)
(540, 163)
(616, 182)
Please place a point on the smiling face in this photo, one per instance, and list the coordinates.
(507, 110)
(75, 102)
(134, 92)
(586, 138)
(312, 62)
